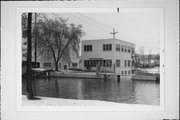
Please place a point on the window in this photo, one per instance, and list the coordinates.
(87, 48)
(125, 63)
(133, 64)
(122, 72)
(129, 62)
(125, 72)
(129, 72)
(47, 64)
(129, 50)
(60, 65)
(94, 63)
(107, 63)
(122, 48)
(86, 63)
(107, 47)
(132, 71)
(132, 49)
(74, 64)
(125, 49)
(117, 47)
(117, 63)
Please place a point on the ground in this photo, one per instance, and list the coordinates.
(46, 101)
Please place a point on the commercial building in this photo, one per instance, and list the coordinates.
(113, 55)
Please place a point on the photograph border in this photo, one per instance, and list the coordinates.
(122, 107)
(9, 63)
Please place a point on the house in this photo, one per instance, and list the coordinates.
(113, 55)
(63, 64)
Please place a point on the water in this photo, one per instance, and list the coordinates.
(133, 92)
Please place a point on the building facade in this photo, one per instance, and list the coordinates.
(113, 55)
(43, 63)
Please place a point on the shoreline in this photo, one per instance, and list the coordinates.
(48, 101)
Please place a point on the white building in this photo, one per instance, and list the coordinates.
(114, 55)
(43, 63)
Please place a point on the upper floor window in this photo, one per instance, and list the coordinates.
(87, 48)
(129, 50)
(117, 47)
(107, 47)
(132, 49)
(125, 49)
(122, 48)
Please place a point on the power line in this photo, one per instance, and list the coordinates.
(89, 23)
(104, 25)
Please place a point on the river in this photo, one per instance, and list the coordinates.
(132, 92)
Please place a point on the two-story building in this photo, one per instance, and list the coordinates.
(113, 55)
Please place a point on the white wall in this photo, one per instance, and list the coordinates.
(97, 52)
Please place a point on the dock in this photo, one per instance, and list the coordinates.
(41, 71)
(86, 75)
(146, 78)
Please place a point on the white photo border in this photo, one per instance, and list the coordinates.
(122, 107)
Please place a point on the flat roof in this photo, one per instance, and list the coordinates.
(108, 39)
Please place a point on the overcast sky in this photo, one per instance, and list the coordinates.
(141, 28)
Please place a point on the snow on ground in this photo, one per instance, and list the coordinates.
(152, 70)
(47, 101)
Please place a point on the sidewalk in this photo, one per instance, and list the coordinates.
(47, 101)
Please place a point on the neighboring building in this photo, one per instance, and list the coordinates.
(152, 60)
(113, 55)
(63, 64)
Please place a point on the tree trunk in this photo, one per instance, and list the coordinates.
(56, 66)
(30, 94)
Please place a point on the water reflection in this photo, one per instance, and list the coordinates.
(125, 91)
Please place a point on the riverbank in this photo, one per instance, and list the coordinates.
(47, 101)
(73, 74)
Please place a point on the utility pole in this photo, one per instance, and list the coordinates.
(29, 89)
(35, 38)
(113, 33)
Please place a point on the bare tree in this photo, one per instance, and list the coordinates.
(55, 39)
(141, 52)
(149, 58)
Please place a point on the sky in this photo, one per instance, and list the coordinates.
(141, 28)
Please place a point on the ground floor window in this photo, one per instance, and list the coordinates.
(129, 63)
(74, 64)
(94, 63)
(59, 64)
(122, 72)
(129, 72)
(47, 64)
(132, 71)
(117, 63)
(125, 72)
(133, 63)
(107, 63)
(125, 63)
(86, 63)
